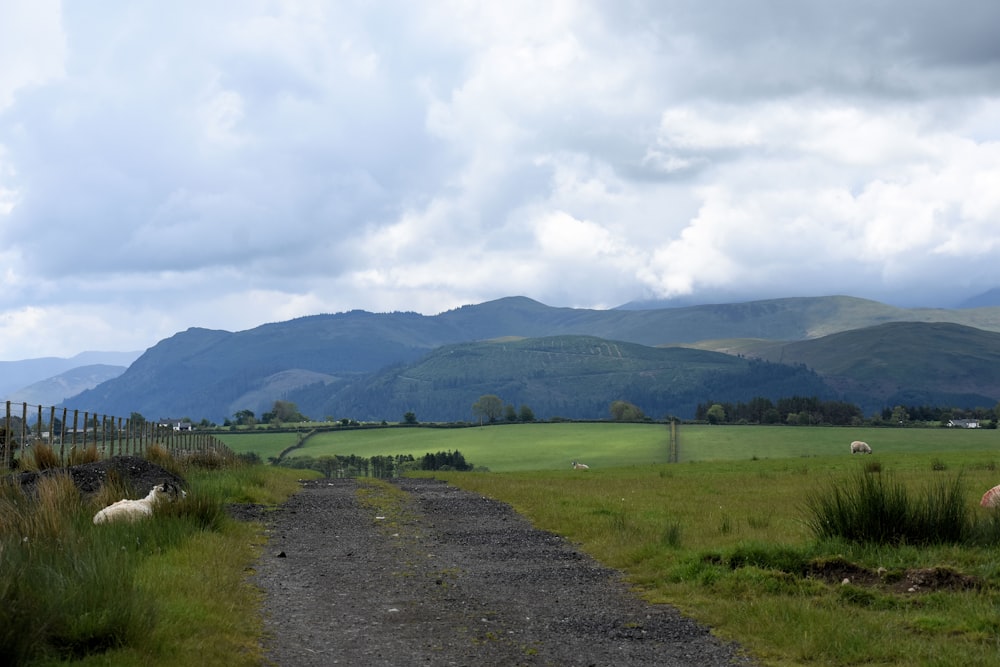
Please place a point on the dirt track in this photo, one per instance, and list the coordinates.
(463, 580)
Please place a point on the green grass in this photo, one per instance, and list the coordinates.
(506, 447)
(552, 446)
(263, 443)
(736, 443)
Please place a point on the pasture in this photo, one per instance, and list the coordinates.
(501, 448)
(264, 443)
(547, 446)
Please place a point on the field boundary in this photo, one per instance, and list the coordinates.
(77, 430)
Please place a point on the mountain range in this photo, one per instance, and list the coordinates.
(566, 362)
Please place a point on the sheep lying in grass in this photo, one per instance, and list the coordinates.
(991, 498)
(580, 466)
(858, 447)
(133, 510)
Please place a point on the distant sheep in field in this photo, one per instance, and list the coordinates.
(580, 466)
(858, 447)
(133, 510)
(991, 498)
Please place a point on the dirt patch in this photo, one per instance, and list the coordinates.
(917, 580)
(453, 578)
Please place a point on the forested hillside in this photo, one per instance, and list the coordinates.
(564, 376)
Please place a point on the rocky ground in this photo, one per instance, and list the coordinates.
(452, 579)
(132, 471)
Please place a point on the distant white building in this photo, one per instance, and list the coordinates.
(963, 423)
(176, 424)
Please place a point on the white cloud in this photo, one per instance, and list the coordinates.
(309, 156)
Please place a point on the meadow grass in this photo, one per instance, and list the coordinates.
(728, 542)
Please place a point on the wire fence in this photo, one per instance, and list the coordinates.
(68, 431)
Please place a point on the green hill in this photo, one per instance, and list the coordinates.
(566, 376)
(908, 363)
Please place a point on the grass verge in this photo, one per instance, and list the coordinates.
(173, 590)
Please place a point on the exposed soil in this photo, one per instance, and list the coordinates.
(915, 580)
(455, 579)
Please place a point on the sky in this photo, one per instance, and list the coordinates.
(223, 164)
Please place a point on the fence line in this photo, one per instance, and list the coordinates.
(110, 436)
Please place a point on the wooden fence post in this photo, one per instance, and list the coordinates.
(8, 451)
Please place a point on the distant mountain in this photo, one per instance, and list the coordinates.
(201, 373)
(16, 375)
(54, 390)
(987, 299)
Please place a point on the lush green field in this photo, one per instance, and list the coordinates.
(264, 443)
(735, 443)
(544, 446)
(505, 448)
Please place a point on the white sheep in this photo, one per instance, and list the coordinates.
(858, 447)
(580, 466)
(133, 510)
(991, 498)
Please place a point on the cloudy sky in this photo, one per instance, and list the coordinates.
(225, 164)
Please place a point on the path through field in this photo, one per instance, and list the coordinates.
(460, 580)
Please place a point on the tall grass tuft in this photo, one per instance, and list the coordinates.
(41, 456)
(868, 508)
(158, 454)
(81, 455)
(65, 591)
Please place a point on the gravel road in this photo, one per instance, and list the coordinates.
(460, 580)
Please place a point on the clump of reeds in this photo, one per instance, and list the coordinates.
(868, 508)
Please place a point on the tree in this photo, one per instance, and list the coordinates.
(488, 408)
(137, 420)
(716, 414)
(410, 418)
(526, 414)
(509, 413)
(245, 418)
(623, 411)
(284, 412)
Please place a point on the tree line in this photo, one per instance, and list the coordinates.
(809, 411)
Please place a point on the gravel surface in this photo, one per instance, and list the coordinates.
(455, 579)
